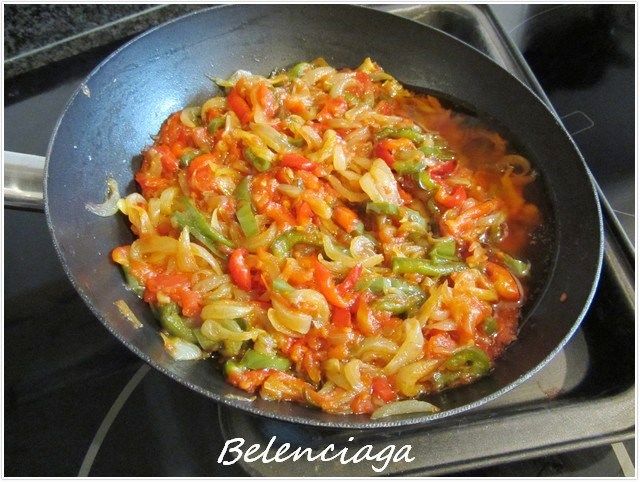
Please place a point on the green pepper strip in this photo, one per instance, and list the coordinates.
(254, 360)
(517, 267)
(176, 325)
(490, 326)
(439, 152)
(381, 285)
(295, 141)
(281, 286)
(258, 162)
(382, 208)
(466, 364)
(426, 267)
(283, 244)
(398, 132)
(409, 167)
(215, 124)
(397, 305)
(471, 360)
(188, 156)
(298, 69)
(444, 249)
(199, 227)
(244, 212)
(426, 182)
(132, 281)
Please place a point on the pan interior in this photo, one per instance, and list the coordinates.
(110, 118)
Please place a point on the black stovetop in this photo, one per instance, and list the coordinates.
(77, 401)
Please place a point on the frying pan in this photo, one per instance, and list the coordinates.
(110, 119)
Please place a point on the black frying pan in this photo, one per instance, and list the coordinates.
(124, 100)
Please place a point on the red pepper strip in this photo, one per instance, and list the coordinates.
(383, 150)
(381, 388)
(346, 287)
(239, 106)
(341, 318)
(452, 200)
(238, 269)
(267, 100)
(503, 281)
(296, 161)
(327, 287)
(443, 169)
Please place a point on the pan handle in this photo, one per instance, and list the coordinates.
(23, 177)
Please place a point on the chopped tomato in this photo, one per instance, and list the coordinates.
(200, 174)
(452, 199)
(333, 107)
(443, 169)
(327, 287)
(346, 218)
(504, 282)
(238, 105)
(267, 100)
(238, 269)
(341, 317)
(382, 389)
(296, 161)
(361, 403)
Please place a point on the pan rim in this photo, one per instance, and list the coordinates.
(414, 419)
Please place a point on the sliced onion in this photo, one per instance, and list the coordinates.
(110, 206)
(362, 247)
(312, 76)
(180, 349)
(123, 307)
(189, 116)
(340, 82)
(274, 139)
(403, 407)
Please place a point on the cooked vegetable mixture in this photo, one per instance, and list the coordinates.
(330, 238)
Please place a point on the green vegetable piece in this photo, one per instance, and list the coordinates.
(255, 360)
(298, 69)
(204, 342)
(444, 250)
(426, 182)
(199, 227)
(281, 286)
(442, 153)
(465, 365)
(244, 212)
(382, 285)
(216, 123)
(414, 166)
(517, 267)
(176, 325)
(296, 141)
(425, 267)
(258, 162)
(401, 132)
(188, 156)
(382, 208)
(490, 326)
(283, 244)
(472, 361)
(398, 304)
(132, 282)
(231, 367)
